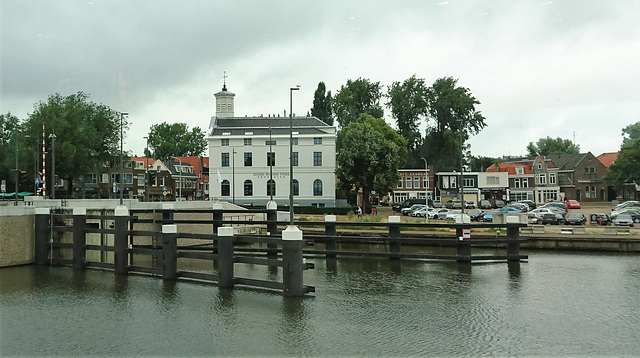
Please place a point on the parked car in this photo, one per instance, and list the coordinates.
(626, 205)
(550, 218)
(437, 204)
(573, 204)
(475, 214)
(530, 203)
(452, 214)
(523, 208)
(408, 203)
(623, 220)
(488, 217)
(634, 213)
(575, 219)
(422, 212)
(439, 214)
(453, 204)
(499, 204)
(407, 211)
(484, 204)
(469, 204)
(558, 206)
(599, 219)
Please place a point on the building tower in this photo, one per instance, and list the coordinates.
(224, 102)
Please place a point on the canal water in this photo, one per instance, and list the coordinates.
(553, 305)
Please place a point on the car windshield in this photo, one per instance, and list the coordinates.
(575, 216)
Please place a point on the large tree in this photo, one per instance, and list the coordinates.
(371, 154)
(355, 98)
(452, 109)
(408, 104)
(87, 134)
(9, 133)
(176, 140)
(322, 104)
(626, 167)
(549, 146)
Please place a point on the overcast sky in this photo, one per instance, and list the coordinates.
(568, 69)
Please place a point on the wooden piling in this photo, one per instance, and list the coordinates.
(42, 239)
(169, 252)
(79, 237)
(120, 246)
(225, 256)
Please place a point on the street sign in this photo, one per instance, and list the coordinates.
(466, 234)
(164, 188)
(3, 186)
(37, 181)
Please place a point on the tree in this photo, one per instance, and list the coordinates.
(549, 146)
(408, 104)
(9, 126)
(355, 98)
(633, 131)
(480, 163)
(371, 155)
(87, 133)
(453, 111)
(175, 140)
(322, 104)
(626, 167)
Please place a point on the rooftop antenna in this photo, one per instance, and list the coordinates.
(224, 81)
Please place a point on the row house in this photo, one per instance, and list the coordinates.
(413, 183)
(580, 177)
(535, 180)
(476, 186)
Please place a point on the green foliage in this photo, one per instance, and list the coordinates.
(480, 163)
(9, 127)
(87, 133)
(175, 140)
(408, 104)
(633, 131)
(322, 104)
(549, 146)
(371, 154)
(626, 167)
(356, 98)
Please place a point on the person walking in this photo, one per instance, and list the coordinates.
(359, 212)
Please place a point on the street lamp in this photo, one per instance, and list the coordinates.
(179, 176)
(426, 187)
(461, 186)
(53, 165)
(233, 175)
(297, 87)
(270, 166)
(121, 162)
(35, 167)
(17, 172)
(146, 171)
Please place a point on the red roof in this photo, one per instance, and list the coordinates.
(510, 168)
(607, 158)
(195, 163)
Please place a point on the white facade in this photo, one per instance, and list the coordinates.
(244, 176)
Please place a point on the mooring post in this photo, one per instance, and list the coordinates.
(463, 237)
(42, 239)
(217, 217)
(330, 231)
(394, 237)
(79, 238)
(272, 228)
(169, 252)
(293, 261)
(225, 256)
(513, 238)
(120, 245)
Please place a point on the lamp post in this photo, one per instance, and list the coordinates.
(146, 170)
(121, 162)
(426, 187)
(180, 177)
(35, 167)
(461, 187)
(53, 165)
(233, 175)
(291, 152)
(17, 172)
(270, 166)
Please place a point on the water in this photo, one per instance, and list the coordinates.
(554, 305)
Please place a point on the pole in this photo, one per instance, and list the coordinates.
(270, 166)
(53, 165)
(17, 172)
(146, 170)
(44, 167)
(233, 175)
(180, 178)
(121, 160)
(291, 152)
(426, 188)
(461, 187)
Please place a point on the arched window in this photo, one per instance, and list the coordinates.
(225, 188)
(248, 188)
(317, 187)
(296, 187)
(271, 187)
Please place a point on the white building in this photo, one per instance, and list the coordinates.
(249, 152)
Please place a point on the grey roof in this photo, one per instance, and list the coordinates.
(262, 125)
(171, 165)
(566, 161)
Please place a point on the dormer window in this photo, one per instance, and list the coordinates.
(519, 170)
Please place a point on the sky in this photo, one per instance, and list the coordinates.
(568, 69)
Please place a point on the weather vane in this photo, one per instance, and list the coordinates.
(224, 81)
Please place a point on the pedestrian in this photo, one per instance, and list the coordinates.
(359, 212)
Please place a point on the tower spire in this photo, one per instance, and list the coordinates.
(224, 81)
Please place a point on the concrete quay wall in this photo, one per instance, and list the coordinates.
(17, 232)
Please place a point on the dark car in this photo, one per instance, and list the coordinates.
(484, 204)
(551, 219)
(530, 203)
(469, 204)
(599, 219)
(575, 219)
(453, 204)
(634, 213)
(475, 214)
(499, 204)
(409, 203)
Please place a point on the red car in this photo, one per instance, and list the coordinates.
(573, 204)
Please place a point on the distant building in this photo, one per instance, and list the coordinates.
(249, 158)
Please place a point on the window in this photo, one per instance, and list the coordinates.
(317, 187)
(525, 182)
(90, 178)
(128, 178)
(317, 141)
(590, 192)
(294, 141)
(296, 187)
(400, 183)
(516, 183)
(493, 180)
(425, 183)
(248, 159)
(416, 183)
(552, 178)
(317, 159)
(269, 142)
(141, 180)
(225, 188)
(468, 182)
(589, 170)
(519, 170)
(224, 160)
(453, 181)
(294, 158)
(542, 179)
(224, 142)
(271, 159)
(247, 141)
(408, 185)
(104, 178)
(271, 187)
(248, 188)
(540, 166)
